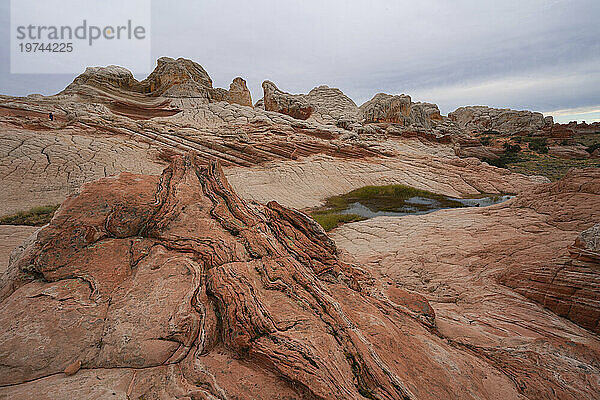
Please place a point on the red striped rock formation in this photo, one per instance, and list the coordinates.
(569, 286)
(173, 286)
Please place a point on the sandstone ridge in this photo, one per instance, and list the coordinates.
(178, 280)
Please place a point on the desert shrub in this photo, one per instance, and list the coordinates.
(539, 145)
(36, 216)
(593, 148)
(496, 162)
(510, 155)
(332, 220)
(511, 148)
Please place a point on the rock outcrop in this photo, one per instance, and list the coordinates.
(332, 106)
(238, 93)
(568, 286)
(399, 116)
(425, 114)
(171, 79)
(573, 128)
(108, 78)
(173, 283)
(384, 115)
(387, 108)
(478, 119)
(294, 105)
(498, 277)
(178, 78)
(570, 152)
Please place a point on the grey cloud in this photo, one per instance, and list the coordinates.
(426, 48)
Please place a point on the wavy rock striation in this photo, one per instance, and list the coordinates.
(172, 286)
(504, 281)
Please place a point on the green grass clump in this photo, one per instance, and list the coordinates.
(383, 198)
(330, 220)
(376, 198)
(539, 145)
(36, 216)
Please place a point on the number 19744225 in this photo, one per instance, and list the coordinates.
(46, 47)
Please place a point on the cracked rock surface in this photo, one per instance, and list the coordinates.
(498, 278)
(173, 286)
(166, 276)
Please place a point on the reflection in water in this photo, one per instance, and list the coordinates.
(416, 205)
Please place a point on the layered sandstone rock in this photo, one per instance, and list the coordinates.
(172, 286)
(178, 78)
(568, 286)
(387, 108)
(238, 93)
(571, 152)
(478, 119)
(103, 126)
(425, 114)
(177, 287)
(332, 106)
(573, 128)
(296, 106)
(480, 152)
(497, 277)
(384, 115)
(108, 78)
(171, 79)
(401, 117)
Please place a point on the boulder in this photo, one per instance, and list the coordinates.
(569, 152)
(481, 152)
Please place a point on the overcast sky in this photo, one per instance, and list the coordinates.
(541, 55)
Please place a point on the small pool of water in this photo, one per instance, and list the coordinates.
(375, 207)
(390, 200)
